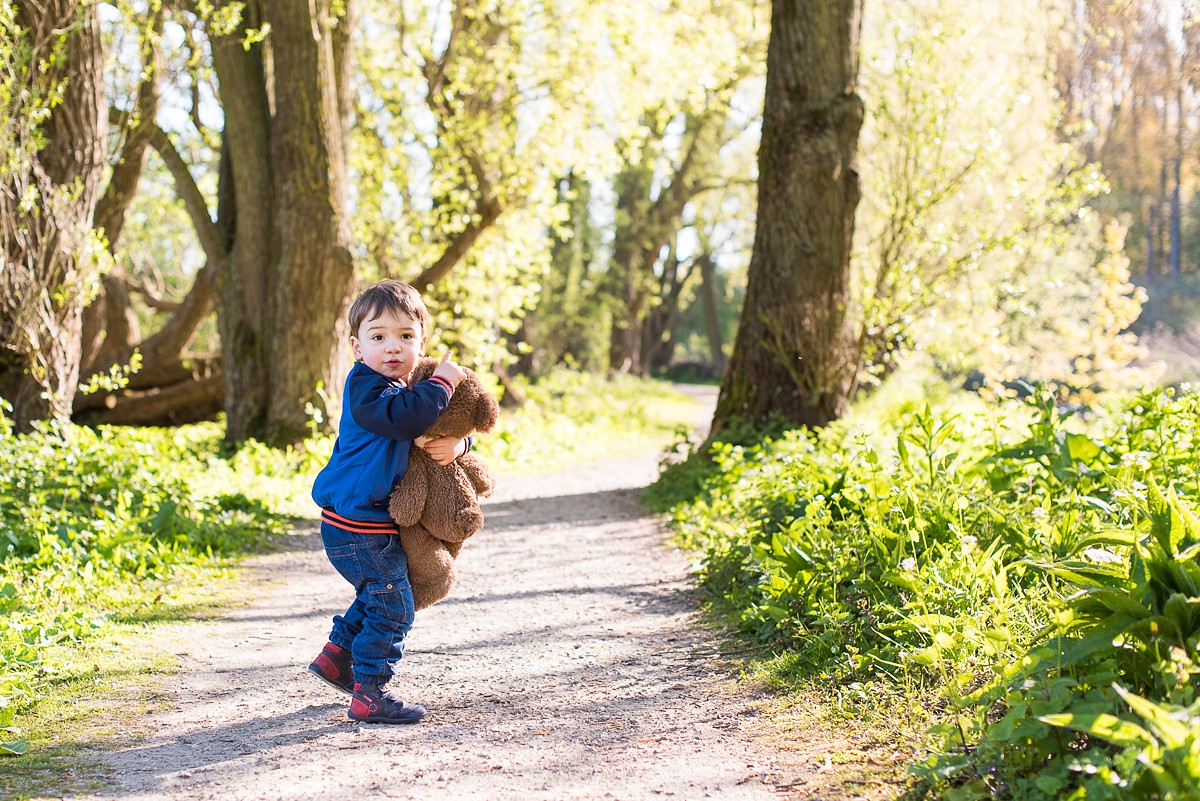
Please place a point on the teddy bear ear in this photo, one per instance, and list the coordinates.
(424, 369)
(487, 412)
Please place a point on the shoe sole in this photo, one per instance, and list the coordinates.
(344, 688)
(385, 720)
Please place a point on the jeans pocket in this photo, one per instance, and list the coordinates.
(394, 601)
(392, 562)
(344, 559)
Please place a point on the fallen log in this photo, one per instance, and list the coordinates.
(187, 401)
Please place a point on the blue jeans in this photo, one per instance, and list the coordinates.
(374, 627)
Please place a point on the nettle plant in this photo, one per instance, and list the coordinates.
(1015, 557)
(1104, 703)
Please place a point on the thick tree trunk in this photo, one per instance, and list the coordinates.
(794, 354)
(38, 376)
(310, 278)
(243, 279)
(286, 280)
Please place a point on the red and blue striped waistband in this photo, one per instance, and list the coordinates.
(358, 526)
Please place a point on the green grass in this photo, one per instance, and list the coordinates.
(571, 419)
(100, 693)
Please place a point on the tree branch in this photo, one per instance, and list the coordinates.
(193, 200)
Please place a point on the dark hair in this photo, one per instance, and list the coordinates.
(388, 296)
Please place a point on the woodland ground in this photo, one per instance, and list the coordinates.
(569, 662)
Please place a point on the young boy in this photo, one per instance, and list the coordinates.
(381, 418)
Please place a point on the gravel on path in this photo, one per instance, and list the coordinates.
(568, 663)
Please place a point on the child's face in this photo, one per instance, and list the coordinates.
(390, 344)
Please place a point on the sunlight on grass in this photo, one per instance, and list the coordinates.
(572, 419)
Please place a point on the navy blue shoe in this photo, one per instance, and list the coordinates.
(372, 704)
(333, 666)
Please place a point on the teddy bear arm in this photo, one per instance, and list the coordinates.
(451, 509)
(478, 474)
(409, 494)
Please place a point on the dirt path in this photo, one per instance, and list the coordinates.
(566, 664)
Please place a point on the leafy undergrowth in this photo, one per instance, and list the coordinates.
(105, 533)
(1018, 578)
(106, 530)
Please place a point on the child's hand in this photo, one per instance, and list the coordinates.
(443, 450)
(449, 370)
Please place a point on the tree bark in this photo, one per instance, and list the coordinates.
(712, 317)
(241, 288)
(182, 402)
(310, 278)
(794, 355)
(40, 369)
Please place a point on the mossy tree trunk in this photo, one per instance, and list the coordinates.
(795, 354)
(48, 197)
(287, 272)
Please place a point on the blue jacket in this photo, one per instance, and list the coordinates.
(380, 419)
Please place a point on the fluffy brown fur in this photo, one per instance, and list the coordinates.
(437, 507)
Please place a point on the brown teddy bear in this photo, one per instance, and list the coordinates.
(437, 507)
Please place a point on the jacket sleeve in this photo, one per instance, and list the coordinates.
(396, 412)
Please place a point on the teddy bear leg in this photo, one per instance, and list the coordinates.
(434, 588)
(426, 594)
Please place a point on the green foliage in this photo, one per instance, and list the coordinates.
(974, 239)
(575, 418)
(96, 525)
(1016, 555)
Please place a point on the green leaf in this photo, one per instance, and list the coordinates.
(1111, 600)
(1083, 449)
(1173, 733)
(1105, 726)
(1096, 502)
(902, 580)
(17, 747)
(1085, 574)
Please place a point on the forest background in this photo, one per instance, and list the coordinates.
(194, 190)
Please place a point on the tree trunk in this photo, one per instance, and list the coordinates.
(626, 273)
(645, 224)
(48, 252)
(712, 317)
(176, 404)
(287, 279)
(311, 275)
(241, 286)
(661, 326)
(794, 354)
